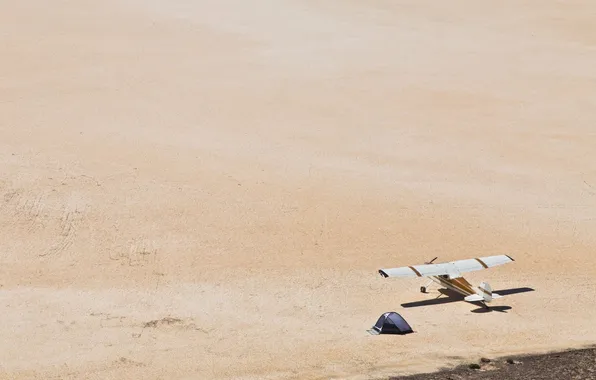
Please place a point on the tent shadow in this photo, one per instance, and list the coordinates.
(452, 296)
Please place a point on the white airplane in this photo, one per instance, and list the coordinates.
(449, 275)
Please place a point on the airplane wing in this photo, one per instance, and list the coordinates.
(454, 268)
(480, 263)
(415, 271)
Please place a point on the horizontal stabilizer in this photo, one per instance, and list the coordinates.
(495, 295)
(474, 298)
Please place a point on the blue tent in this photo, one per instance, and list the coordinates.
(392, 323)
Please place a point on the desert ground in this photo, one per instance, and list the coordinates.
(206, 189)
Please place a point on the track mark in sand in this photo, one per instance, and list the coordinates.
(164, 324)
(175, 323)
(107, 320)
(30, 213)
(97, 183)
(8, 197)
(592, 190)
(139, 253)
(111, 321)
(68, 229)
(34, 211)
(125, 362)
(168, 323)
(27, 209)
(11, 201)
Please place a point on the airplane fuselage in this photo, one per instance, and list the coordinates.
(458, 284)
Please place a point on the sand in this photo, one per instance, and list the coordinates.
(206, 189)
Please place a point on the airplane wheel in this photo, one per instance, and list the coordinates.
(423, 289)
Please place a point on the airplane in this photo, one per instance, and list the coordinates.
(449, 275)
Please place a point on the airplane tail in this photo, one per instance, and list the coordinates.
(484, 293)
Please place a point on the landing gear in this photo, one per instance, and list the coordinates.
(424, 289)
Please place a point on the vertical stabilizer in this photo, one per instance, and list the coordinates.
(485, 291)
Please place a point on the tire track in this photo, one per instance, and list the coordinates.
(34, 212)
(138, 254)
(69, 224)
(26, 210)
(12, 200)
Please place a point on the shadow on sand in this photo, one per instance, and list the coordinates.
(500, 309)
(452, 296)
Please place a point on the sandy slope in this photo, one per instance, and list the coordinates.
(195, 190)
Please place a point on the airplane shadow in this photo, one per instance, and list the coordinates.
(506, 292)
(452, 296)
(500, 309)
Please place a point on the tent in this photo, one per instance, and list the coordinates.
(392, 323)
